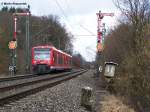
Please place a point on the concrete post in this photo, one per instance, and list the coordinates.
(86, 97)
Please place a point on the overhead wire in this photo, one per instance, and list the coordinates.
(84, 35)
(63, 12)
(80, 23)
(86, 29)
(68, 19)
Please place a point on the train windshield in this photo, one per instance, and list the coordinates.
(42, 54)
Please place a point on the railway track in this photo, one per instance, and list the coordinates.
(20, 87)
(13, 78)
(16, 77)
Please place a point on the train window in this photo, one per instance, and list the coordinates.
(66, 61)
(69, 61)
(55, 58)
(42, 53)
(63, 57)
(60, 58)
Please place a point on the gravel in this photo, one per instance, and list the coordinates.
(64, 97)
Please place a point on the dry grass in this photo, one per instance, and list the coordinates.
(114, 104)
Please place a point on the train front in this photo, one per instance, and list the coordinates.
(41, 59)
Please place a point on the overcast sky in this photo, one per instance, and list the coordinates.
(79, 17)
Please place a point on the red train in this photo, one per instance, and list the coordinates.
(48, 58)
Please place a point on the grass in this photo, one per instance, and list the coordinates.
(112, 103)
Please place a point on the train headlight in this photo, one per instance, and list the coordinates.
(34, 62)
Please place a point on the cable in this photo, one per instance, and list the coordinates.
(78, 22)
(68, 19)
(86, 29)
(61, 9)
(84, 35)
(67, 5)
(92, 34)
(63, 12)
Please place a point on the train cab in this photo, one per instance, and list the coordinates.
(48, 58)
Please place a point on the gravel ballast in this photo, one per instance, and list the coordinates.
(64, 97)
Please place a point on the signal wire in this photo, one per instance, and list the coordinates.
(63, 12)
(68, 19)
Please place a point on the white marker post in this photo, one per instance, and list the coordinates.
(86, 97)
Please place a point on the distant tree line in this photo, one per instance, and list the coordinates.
(12, 9)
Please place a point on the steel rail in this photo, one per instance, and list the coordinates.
(20, 91)
(24, 82)
(4, 79)
(16, 77)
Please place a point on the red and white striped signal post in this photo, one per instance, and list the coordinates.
(15, 28)
(13, 43)
(27, 42)
(100, 38)
(15, 22)
(100, 16)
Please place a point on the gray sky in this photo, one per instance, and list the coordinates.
(79, 17)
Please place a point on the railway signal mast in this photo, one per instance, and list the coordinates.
(27, 41)
(100, 36)
(100, 31)
(12, 67)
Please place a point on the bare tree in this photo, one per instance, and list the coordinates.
(138, 14)
(128, 44)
